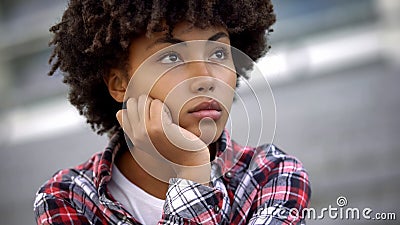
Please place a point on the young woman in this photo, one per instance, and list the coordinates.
(159, 77)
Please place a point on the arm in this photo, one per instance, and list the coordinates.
(286, 193)
(280, 199)
(49, 209)
(188, 202)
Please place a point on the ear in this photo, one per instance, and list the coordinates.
(117, 83)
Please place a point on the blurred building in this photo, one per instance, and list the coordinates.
(333, 68)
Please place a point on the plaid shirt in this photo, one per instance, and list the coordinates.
(259, 185)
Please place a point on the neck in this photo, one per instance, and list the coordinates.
(146, 180)
(154, 178)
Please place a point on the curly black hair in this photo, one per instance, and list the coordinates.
(94, 36)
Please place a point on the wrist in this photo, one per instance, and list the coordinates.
(200, 174)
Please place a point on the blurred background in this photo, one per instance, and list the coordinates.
(334, 69)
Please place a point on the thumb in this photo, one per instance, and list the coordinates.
(119, 117)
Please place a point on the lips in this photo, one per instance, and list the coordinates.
(210, 109)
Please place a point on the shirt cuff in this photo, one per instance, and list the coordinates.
(192, 202)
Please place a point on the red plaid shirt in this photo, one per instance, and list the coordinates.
(250, 186)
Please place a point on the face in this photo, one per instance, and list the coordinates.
(192, 72)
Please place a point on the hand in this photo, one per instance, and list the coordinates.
(148, 124)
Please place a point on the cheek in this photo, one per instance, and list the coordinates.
(171, 90)
(163, 87)
(229, 80)
(232, 81)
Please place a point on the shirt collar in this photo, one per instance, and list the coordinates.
(225, 158)
(103, 169)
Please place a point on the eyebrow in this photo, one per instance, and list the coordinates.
(172, 40)
(218, 35)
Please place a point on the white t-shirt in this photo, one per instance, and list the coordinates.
(144, 207)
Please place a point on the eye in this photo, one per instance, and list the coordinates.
(170, 57)
(219, 54)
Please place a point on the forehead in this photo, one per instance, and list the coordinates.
(185, 31)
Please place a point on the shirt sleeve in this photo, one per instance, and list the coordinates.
(49, 209)
(283, 197)
(188, 202)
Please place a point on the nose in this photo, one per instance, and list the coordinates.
(203, 81)
(202, 84)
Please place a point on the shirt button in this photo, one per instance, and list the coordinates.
(228, 175)
(216, 208)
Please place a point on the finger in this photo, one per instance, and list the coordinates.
(123, 120)
(156, 111)
(147, 107)
(166, 114)
(144, 108)
(119, 117)
(132, 111)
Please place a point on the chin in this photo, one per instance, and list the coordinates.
(208, 131)
(209, 134)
